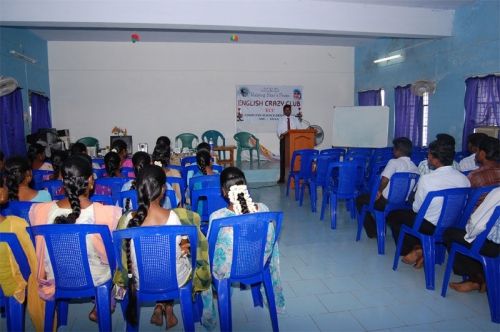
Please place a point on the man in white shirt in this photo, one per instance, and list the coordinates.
(286, 123)
(444, 176)
(469, 163)
(402, 148)
(424, 168)
(468, 267)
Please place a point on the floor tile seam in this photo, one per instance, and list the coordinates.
(393, 327)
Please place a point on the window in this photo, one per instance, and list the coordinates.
(425, 118)
(382, 97)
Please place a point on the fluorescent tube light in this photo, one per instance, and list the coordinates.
(392, 57)
(22, 56)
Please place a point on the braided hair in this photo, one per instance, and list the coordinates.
(57, 159)
(76, 171)
(16, 171)
(139, 160)
(233, 182)
(112, 163)
(161, 152)
(150, 185)
(203, 160)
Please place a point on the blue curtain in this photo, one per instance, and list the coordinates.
(12, 124)
(408, 114)
(370, 98)
(40, 115)
(482, 104)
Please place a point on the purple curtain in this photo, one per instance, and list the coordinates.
(40, 115)
(482, 104)
(408, 114)
(370, 98)
(12, 124)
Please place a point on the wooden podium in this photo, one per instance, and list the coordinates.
(297, 139)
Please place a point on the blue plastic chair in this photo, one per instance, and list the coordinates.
(114, 184)
(304, 173)
(172, 199)
(375, 170)
(213, 198)
(67, 249)
(127, 172)
(248, 266)
(99, 173)
(189, 160)
(129, 196)
(454, 201)
(155, 250)
(182, 185)
(418, 156)
(15, 311)
(55, 188)
(320, 178)
(474, 196)
(401, 184)
(98, 161)
(103, 199)
(491, 266)
(342, 186)
(20, 209)
(338, 153)
(39, 176)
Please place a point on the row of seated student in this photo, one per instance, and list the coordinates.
(439, 171)
(77, 208)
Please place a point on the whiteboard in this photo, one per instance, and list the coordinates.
(360, 126)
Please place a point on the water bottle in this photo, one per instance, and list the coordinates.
(211, 143)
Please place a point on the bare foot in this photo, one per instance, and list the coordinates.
(419, 263)
(412, 257)
(171, 319)
(465, 286)
(157, 316)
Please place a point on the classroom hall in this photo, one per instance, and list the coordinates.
(360, 72)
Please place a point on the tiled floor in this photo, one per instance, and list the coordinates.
(333, 283)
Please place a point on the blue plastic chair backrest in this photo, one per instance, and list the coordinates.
(214, 200)
(418, 156)
(322, 162)
(67, 249)
(129, 196)
(344, 176)
(98, 161)
(460, 155)
(55, 188)
(249, 241)
(335, 152)
(204, 181)
(401, 184)
(155, 250)
(474, 196)
(454, 201)
(114, 183)
(22, 261)
(479, 241)
(188, 160)
(359, 151)
(20, 209)
(375, 170)
(180, 181)
(305, 158)
(103, 199)
(99, 173)
(39, 176)
(170, 194)
(127, 172)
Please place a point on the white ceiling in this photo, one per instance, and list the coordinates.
(304, 22)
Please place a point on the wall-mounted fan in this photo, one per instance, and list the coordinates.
(420, 87)
(7, 85)
(320, 135)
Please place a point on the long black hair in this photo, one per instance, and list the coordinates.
(16, 171)
(162, 151)
(76, 172)
(140, 159)
(34, 150)
(203, 160)
(57, 158)
(112, 163)
(150, 185)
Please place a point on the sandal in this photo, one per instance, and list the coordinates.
(158, 313)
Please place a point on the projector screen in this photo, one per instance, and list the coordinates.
(360, 126)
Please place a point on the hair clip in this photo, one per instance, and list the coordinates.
(114, 150)
(158, 163)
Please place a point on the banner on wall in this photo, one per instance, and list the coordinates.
(258, 107)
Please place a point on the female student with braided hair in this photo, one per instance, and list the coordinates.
(150, 186)
(112, 164)
(161, 157)
(234, 189)
(17, 179)
(76, 208)
(140, 159)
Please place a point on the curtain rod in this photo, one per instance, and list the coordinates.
(481, 75)
(38, 93)
(370, 90)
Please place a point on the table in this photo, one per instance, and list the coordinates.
(223, 149)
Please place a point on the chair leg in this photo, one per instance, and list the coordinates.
(352, 208)
(380, 223)
(324, 201)
(62, 313)
(257, 296)
(447, 272)
(399, 246)
(333, 211)
(187, 308)
(238, 157)
(268, 285)
(258, 156)
(288, 185)
(15, 314)
(224, 304)
(428, 249)
(491, 267)
(251, 157)
(103, 307)
(314, 195)
(50, 309)
(361, 219)
(301, 194)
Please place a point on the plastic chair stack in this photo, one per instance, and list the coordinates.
(243, 143)
(454, 201)
(66, 247)
(248, 266)
(155, 251)
(304, 174)
(491, 266)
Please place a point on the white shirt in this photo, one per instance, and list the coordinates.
(398, 165)
(294, 124)
(468, 163)
(444, 177)
(478, 220)
(423, 167)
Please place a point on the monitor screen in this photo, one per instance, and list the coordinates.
(126, 139)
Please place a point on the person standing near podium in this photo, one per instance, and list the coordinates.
(286, 123)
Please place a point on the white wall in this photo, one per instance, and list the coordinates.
(155, 89)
